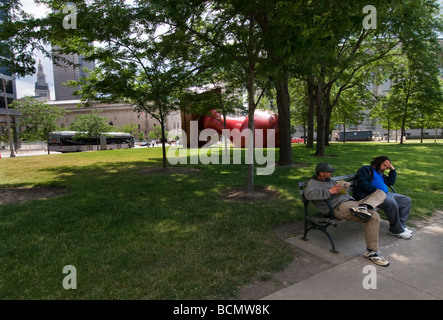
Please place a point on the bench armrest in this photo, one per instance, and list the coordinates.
(331, 210)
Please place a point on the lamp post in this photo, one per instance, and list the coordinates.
(8, 122)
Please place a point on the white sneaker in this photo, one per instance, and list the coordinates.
(407, 230)
(402, 235)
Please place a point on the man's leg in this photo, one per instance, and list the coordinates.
(371, 227)
(374, 200)
(392, 211)
(404, 207)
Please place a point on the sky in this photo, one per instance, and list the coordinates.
(25, 85)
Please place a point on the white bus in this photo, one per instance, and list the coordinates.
(74, 141)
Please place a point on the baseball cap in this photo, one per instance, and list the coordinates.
(324, 167)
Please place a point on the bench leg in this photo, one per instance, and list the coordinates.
(305, 233)
(331, 241)
(322, 229)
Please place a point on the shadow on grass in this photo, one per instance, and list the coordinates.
(123, 230)
(156, 236)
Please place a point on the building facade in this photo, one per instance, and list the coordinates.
(117, 115)
(68, 67)
(8, 93)
(41, 86)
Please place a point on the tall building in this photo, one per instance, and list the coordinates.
(11, 92)
(65, 71)
(41, 86)
(7, 79)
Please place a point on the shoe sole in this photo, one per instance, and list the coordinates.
(365, 217)
(379, 264)
(401, 237)
(376, 260)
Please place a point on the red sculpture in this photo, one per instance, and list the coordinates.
(236, 125)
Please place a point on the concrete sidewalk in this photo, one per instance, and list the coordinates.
(415, 271)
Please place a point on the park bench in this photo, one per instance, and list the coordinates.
(319, 221)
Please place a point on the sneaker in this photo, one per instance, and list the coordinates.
(361, 212)
(402, 235)
(407, 230)
(377, 258)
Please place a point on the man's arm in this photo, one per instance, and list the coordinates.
(320, 190)
(390, 179)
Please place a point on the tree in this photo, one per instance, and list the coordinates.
(91, 125)
(227, 31)
(346, 47)
(299, 104)
(415, 93)
(130, 128)
(20, 37)
(387, 114)
(350, 107)
(38, 118)
(156, 134)
(135, 64)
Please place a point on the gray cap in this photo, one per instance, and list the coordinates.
(324, 167)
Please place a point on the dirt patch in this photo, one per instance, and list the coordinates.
(23, 194)
(419, 223)
(170, 170)
(259, 194)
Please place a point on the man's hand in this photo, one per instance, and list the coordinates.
(335, 189)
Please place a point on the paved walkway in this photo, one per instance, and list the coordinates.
(416, 270)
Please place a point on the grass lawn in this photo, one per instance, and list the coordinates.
(132, 235)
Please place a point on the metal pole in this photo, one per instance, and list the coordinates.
(8, 122)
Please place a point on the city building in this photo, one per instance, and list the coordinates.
(68, 67)
(7, 83)
(117, 115)
(41, 86)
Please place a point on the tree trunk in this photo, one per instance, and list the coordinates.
(251, 110)
(162, 124)
(251, 105)
(320, 148)
(329, 108)
(284, 122)
(310, 116)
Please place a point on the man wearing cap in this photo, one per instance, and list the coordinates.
(321, 187)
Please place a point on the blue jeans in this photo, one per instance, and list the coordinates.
(397, 208)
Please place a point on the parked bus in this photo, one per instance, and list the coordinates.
(74, 141)
(356, 136)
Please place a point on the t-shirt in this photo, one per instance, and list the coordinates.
(378, 182)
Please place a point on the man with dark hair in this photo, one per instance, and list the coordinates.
(396, 206)
(321, 187)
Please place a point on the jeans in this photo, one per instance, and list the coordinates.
(397, 208)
